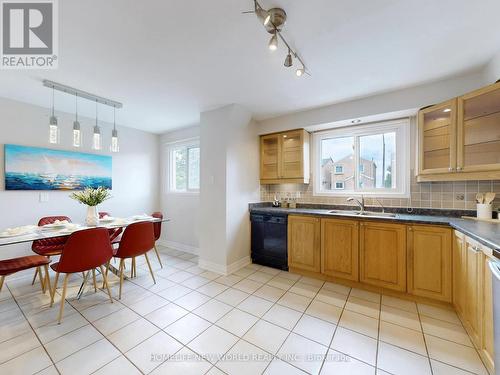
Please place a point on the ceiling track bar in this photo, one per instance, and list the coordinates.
(81, 94)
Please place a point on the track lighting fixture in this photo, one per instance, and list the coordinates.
(273, 20)
(76, 126)
(273, 42)
(288, 60)
(53, 128)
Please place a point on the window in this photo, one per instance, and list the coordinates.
(372, 159)
(184, 172)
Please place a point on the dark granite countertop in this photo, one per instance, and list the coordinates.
(486, 233)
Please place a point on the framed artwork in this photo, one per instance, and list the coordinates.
(34, 168)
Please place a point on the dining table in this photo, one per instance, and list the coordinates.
(29, 233)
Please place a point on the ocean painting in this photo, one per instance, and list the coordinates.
(33, 168)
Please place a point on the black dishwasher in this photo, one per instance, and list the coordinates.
(269, 240)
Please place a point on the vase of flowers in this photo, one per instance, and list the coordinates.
(91, 197)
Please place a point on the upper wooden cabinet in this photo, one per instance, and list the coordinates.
(460, 139)
(339, 248)
(382, 255)
(304, 243)
(284, 157)
(429, 262)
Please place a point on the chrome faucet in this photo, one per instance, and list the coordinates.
(360, 203)
(380, 203)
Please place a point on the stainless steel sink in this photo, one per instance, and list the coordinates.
(364, 213)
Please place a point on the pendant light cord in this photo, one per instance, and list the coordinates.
(53, 91)
(114, 118)
(76, 107)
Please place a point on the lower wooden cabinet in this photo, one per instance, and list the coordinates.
(382, 252)
(459, 272)
(429, 262)
(304, 243)
(339, 248)
(487, 349)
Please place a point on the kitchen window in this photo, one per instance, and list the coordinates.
(184, 170)
(363, 159)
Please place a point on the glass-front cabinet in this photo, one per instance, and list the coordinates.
(437, 138)
(460, 139)
(479, 130)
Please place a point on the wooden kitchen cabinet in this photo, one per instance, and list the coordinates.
(460, 139)
(473, 290)
(304, 243)
(339, 248)
(487, 349)
(429, 262)
(459, 272)
(437, 139)
(479, 130)
(284, 157)
(382, 251)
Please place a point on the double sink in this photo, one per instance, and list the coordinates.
(362, 213)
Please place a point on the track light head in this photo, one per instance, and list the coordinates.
(288, 60)
(273, 42)
(300, 72)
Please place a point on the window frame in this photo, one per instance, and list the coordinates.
(171, 148)
(402, 129)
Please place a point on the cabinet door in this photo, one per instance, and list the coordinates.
(487, 348)
(429, 262)
(437, 138)
(383, 255)
(304, 243)
(339, 248)
(459, 272)
(270, 161)
(479, 130)
(473, 290)
(292, 152)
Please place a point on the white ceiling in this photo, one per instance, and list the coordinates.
(168, 60)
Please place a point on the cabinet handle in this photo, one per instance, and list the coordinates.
(451, 169)
(410, 229)
(476, 249)
(459, 168)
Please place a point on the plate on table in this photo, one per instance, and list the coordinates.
(107, 219)
(53, 226)
(15, 232)
(142, 217)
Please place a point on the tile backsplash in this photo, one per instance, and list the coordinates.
(446, 195)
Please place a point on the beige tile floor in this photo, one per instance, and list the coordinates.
(256, 321)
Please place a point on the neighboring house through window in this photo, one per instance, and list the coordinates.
(184, 167)
(339, 169)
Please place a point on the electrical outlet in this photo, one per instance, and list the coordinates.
(44, 197)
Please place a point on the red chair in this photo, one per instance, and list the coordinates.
(157, 232)
(137, 239)
(113, 233)
(10, 266)
(50, 246)
(85, 250)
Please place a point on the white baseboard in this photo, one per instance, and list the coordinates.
(178, 246)
(224, 269)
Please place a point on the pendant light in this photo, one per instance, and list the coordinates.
(96, 139)
(114, 134)
(273, 42)
(288, 60)
(53, 128)
(77, 135)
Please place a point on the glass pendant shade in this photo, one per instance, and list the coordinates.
(77, 134)
(53, 130)
(96, 138)
(115, 147)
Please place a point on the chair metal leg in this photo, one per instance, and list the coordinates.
(42, 284)
(105, 282)
(158, 256)
(95, 280)
(122, 266)
(47, 279)
(34, 276)
(63, 298)
(54, 289)
(149, 266)
(2, 278)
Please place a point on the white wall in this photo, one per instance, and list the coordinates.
(182, 232)
(229, 181)
(135, 169)
(492, 70)
(401, 100)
